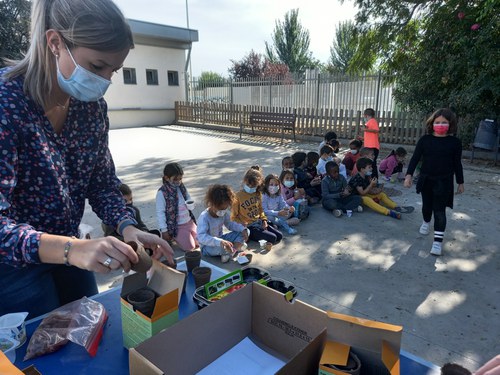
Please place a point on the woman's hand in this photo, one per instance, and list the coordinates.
(159, 246)
(166, 236)
(408, 181)
(460, 188)
(93, 255)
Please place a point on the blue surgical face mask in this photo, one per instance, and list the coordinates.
(273, 189)
(82, 84)
(288, 184)
(368, 173)
(248, 189)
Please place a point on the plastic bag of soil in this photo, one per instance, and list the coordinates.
(81, 321)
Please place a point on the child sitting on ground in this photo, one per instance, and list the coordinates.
(211, 221)
(328, 138)
(175, 220)
(275, 207)
(311, 186)
(393, 163)
(351, 157)
(336, 193)
(372, 196)
(287, 163)
(247, 209)
(364, 152)
(129, 202)
(312, 159)
(327, 155)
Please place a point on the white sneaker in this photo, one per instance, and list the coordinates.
(360, 209)
(436, 248)
(337, 212)
(424, 228)
(224, 258)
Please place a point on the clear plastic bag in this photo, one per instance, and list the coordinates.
(81, 321)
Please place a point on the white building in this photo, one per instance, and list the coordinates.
(153, 76)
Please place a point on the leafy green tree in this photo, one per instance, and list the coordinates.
(344, 48)
(210, 79)
(14, 29)
(440, 53)
(290, 44)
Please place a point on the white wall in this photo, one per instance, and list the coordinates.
(141, 104)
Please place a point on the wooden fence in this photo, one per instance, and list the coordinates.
(397, 128)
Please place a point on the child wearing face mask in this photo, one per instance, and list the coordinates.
(247, 209)
(441, 155)
(212, 221)
(275, 207)
(287, 163)
(393, 163)
(175, 220)
(327, 154)
(289, 190)
(352, 156)
(372, 196)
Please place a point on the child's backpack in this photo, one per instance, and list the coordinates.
(301, 209)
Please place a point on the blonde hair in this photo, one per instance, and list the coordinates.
(95, 24)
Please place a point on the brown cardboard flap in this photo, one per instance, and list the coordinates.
(283, 326)
(165, 305)
(165, 279)
(140, 365)
(306, 361)
(367, 334)
(335, 353)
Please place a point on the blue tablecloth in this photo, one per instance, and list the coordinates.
(112, 357)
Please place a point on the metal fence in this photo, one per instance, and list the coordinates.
(395, 127)
(312, 90)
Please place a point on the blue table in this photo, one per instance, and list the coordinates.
(112, 357)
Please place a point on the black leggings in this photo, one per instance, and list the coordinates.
(375, 168)
(433, 202)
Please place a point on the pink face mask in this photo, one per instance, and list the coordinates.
(440, 129)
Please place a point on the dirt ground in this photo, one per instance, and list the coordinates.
(368, 265)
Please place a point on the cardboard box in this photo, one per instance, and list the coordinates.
(376, 344)
(286, 330)
(167, 283)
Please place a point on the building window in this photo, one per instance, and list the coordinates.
(152, 76)
(173, 78)
(129, 76)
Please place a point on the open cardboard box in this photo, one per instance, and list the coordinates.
(167, 283)
(286, 330)
(376, 344)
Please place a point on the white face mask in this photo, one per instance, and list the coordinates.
(368, 173)
(273, 189)
(289, 184)
(248, 189)
(354, 152)
(221, 213)
(82, 84)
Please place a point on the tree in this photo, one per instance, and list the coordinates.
(254, 65)
(344, 48)
(14, 29)
(290, 44)
(440, 53)
(210, 79)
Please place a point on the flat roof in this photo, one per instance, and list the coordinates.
(157, 34)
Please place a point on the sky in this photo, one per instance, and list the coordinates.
(230, 29)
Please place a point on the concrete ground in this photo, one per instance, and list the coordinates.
(368, 265)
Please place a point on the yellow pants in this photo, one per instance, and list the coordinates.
(368, 200)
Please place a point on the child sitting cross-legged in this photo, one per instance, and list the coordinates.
(336, 193)
(274, 205)
(211, 222)
(373, 197)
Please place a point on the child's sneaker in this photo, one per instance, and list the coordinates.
(293, 221)
(292, 231)
(388, 179)
(424, 228)
(359, 209)
(394, 214)
(224, 258)
(337, 212)
(404, 209)
(436, 248)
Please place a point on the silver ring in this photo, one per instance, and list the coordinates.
(107, 262)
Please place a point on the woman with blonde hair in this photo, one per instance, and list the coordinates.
(54, 155)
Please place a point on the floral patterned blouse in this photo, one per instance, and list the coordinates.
(45, 177)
